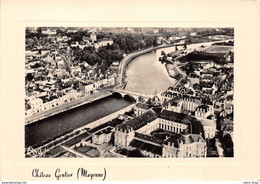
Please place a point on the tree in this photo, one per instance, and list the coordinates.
(228, 145)
(227, 140)
(162, 52)
(185, 46)
(197, 86)
(29, 77)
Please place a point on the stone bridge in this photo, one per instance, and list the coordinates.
(135, 95)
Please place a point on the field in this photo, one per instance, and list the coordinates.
(76, 139)
(219, 49)
(89, 151)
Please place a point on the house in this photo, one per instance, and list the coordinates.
(193, 34)
(49, 31)
(72, 30)
(204, 111)
(141, 108)
(184, 146)
(173, 104)
(174, 121)
(209, 127)
(115, 63)
(87, 88)
(74, 44)
(93, 36)
(104, 42)
(86, 39)
(102, 136)
(111, 81)
(60, 63)
(209, 87)
(36, 104)
(124, 133)
(147, 147)
(190, 103)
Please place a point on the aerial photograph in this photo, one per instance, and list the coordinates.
(129, 92)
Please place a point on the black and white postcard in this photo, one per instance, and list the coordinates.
(147, 90)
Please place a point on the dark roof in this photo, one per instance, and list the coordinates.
(146, 146)
(136, 143)
(185, 139)
(207, 102)
(176, 117)
(157, 110)
(173, 102)
(53, 97)
(191, 97)
(148, 138)
(229, 128)
(142, 106)
(205, 107)
(139, 121)
(207, 84)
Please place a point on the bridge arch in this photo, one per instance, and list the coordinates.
(129, 97)
(117, 95)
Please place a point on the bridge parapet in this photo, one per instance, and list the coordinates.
(135, 95)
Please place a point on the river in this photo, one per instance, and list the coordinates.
(146, 75)
(72, 119)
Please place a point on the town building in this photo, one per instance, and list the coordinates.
(184, 146)
(209, 126)
(141, 108)
(136, 134)
(93, 36)
(102, 136)
(49, 31)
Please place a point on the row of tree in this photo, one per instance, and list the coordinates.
(122, 43)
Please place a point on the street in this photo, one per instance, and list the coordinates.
(67, 106)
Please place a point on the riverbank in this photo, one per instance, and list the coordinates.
(78, 132)
(172, 71)
(125, 61)
(70, 105)
(73, 119)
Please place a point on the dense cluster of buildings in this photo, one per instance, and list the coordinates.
(162, 133)
(53, 78)
(187, 116)
(177, 123)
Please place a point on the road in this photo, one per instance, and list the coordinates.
(219, 145)
(67, 106)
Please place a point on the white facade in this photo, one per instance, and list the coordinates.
(123, 137)
(209, 126)
(171, 126)
(195, 148)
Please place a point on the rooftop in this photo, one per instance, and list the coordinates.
(208, 122)
(143, 106)
(139, 121)
(146, 147)
(177, 117)
(185, 139)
